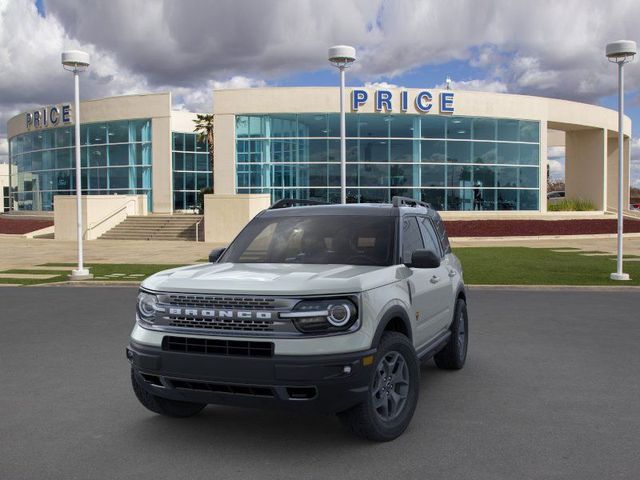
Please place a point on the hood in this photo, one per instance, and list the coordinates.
(271, 278)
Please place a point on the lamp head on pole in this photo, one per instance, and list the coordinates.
(621, 51)
(75, 60)
(342, 56)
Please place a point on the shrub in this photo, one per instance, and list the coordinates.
(572, 205)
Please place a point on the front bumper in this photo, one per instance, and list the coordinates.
(317, 383)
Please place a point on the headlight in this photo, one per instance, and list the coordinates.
(147, 303)
(324, 315)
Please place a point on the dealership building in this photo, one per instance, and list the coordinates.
(474, 152)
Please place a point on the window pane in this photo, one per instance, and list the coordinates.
(313, 125)
(458, 176)
(434, 197)
(460, 199)
(178, 141)
(484, 128)
(119, 154)
(507, 177)
(402, 126)
(373, 126)
(529, 154)
(459, 152)
(401, 175)
(432, 151)
(401, 151)
(119, 177)
(529, 131)
(97, 134)
(433, 175)
(433, 126)
(189, 142)
(411, 238)
(508, 130)
(484, 152)
(508, 153)
(458, 127)
(528, 177)
(529, 199)
(507, 200)
(283, 125)
(118, 132)
(484, 176)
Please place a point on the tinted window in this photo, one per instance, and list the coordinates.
(430, 239)
(442, 233)
(317, 239)
(411, 238)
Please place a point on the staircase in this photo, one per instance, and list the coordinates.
(157, 227)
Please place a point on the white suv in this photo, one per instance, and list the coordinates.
(325, 308)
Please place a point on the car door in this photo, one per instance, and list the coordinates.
(427, 285)
(445, 299)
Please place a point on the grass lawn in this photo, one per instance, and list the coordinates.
(482, 266)
(539, 266)
(102, 272)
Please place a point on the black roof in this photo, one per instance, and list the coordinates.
(355, 209)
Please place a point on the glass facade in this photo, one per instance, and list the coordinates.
(115, 158)
(191, 170)
(452, 162)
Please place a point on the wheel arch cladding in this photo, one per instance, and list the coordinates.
(395, 319)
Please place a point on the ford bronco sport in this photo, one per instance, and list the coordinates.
(324, 308)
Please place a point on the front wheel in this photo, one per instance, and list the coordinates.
(453, 356)
(392, 395)
(164, 406)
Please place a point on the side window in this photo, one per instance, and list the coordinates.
(430, 239)
(411, 238)
(442, 233)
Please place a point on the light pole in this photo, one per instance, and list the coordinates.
(342, 56)
(76, 61)
(620, 52)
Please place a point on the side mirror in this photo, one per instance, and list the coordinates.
(215, 254)
(424, 259)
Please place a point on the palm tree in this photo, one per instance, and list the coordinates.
(204, 129)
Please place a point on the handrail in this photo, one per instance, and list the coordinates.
(197, 225)
(93, 225)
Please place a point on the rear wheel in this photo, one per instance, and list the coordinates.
(453, 356)
(393, 392)
(164, 406)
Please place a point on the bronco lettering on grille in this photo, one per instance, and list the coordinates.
(209, 313)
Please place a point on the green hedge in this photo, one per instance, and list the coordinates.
(572, 205)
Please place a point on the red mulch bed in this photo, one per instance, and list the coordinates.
(517, 228)
(20, 226)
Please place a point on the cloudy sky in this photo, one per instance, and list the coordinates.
(549, 48)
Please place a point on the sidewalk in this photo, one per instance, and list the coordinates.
(26, 253)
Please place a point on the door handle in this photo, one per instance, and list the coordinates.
(452, 273)
(435, 279)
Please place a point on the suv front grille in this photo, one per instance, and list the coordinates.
(237, 325)
(219, 301)
(253, 390)
(217, 347)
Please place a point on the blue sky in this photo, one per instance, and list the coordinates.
(190, 47)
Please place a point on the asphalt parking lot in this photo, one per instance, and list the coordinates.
(550, 390)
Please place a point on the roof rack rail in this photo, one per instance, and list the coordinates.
(293, 202)
(408, 202)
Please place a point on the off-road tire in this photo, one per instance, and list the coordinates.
(364, 420)
(164, 406)
(454, 354)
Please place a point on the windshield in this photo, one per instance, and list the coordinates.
(321, 239)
